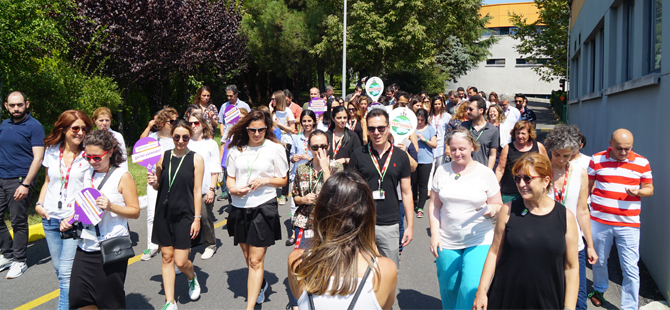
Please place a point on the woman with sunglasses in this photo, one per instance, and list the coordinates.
(201, 144)
(344, 140)
(178, 180)
(425, 101)
(65, 170)
(162, 124)
(465, 199)
(102, 117)
(356, 123)
(256, 166)
(533, 260)
(94, 285)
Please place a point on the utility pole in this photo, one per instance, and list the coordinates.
(344, 52)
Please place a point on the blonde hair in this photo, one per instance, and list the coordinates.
(461, 112)
(100, 112)
(463, 133)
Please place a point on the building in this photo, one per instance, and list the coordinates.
(506, 71)
(617, 79)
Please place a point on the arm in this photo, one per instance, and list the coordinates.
(584, 217)
(571, 262)
(221, 125)
(128, 189)
(431, 143)
(211, 191)
(481, 299)
(434, 206)
(38, 155)
(495, 204)
(296, 288)
(542, 149)
(492, 158)
(408, 204)
(288, 128)
(153, 177)
(645, 190)
(147, 130)
(197, 193)
(364, 126)
(389, 274)
(414, 140)
(500, 170)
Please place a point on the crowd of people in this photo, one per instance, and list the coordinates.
(513, 221)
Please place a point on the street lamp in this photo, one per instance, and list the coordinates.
(344, 52)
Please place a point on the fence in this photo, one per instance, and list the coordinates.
(559, 104)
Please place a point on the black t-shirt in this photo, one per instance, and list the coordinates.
(398, 168)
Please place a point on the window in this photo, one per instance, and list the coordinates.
(539, 61)
(504, 30)
(500, 62)
(489, 32)
(630, 32)
(655, 49)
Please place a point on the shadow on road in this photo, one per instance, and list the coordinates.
(38, 253)
(237, 283)
(137, 301)
(411, 299)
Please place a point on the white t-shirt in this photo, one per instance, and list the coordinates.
(209, 150)
(512, 115)
(440, 125)
(284, 117)
(460, 200)
(265, 161)
(75, 184)
(122, 144)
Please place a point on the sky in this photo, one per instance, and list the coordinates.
(503, 1)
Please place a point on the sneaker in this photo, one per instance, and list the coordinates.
(176, 270)
(16, 270)
(596, 298)
(261, 294)
(281, 200)
(170, 306)
(4, 262)
(209, 252)
(194, 288)
(419, 213)
(148, 254)
(224, 195)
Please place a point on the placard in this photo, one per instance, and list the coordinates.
(317, 105)
(147, 152)
(374, 87)
(403, 123)
(231, 115)
(86, 210)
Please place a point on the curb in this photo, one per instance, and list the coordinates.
(35, 232)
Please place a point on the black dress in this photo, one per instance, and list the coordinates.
(530, 273)
(175, 212)
(507, 184)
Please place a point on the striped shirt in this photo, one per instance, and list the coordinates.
(610, 204)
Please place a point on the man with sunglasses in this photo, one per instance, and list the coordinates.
(384, 166)
(522, 105)
(21, 154)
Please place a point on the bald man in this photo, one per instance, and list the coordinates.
(313, 93)
(618, 178)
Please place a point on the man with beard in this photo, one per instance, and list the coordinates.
(484, 132)
(22, 140)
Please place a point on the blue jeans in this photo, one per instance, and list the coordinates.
(458, 273)
(581, 296)
(401, 221)
(62, 255)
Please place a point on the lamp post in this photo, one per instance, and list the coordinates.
(344, 52)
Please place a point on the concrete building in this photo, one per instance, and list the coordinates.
(506, 71)
(617, 79)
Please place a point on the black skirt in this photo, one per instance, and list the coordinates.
(259, 226)
(92, 283)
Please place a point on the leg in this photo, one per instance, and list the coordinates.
(448, 265)
(18, 211)
(581, 296)
(68, 251)
(602, 242)
(5, 237)
(415, 186)
(207, 220)
(627, 241)
(424, 175)
(387, 241)
(167, 270)
(183, 263)
(152, 195)
(472, 265)
(255, 261)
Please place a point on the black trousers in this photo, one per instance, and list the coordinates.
(18, 211)
(420, 184)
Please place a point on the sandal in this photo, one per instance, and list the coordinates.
(290, 241)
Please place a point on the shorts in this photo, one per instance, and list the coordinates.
(92, 283)
(259, 226)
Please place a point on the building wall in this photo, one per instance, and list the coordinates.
(499, 13)
(612, 86)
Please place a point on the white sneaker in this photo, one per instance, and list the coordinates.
(5, 262)
(148, 254)
(194, 288)
(176, 270)
(261, 294)
(209, 252)
(16, 270)
(170, 306)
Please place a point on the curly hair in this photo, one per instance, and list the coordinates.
(532, 134)
(105, 140)
(563, 137)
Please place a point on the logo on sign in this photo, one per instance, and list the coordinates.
(375, 89)
(401, 125)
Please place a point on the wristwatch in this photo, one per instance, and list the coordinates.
(24, 185)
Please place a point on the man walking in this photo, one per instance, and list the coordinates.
(384, 166)
(231, 93)
(512, 114)
(485, 133)
(621, 177)
(21, 154)
(313, 93)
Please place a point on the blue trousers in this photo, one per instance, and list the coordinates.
(62, 253)
(458, 273)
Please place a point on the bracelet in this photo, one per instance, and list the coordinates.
(212, 189)
(39, 204)
(566, 308)
(24, 185)
(197, 216)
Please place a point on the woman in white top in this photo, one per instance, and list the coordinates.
(257, 166)
(162, 123)
(201, 144)
(571, 190)
(66, 168)
(102, 117)
(94, 285)
(439, 118)
(465, 198)
(343, 258)
(282, 116)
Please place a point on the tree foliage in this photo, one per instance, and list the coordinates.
(547, 37)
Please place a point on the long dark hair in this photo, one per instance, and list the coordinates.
(311, 115)
(336, 110)
(65, 120)
(107, 142)
(328, 115)
(238, 135)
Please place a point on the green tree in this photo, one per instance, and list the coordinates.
(547, 37)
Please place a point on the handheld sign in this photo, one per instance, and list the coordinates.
(85, 209)
(403, 123)
(318, 106)
(147, 152)
(374, 88)
(231, 115)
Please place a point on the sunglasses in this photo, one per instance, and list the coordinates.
(196, 123)
(256, 130)
(178, 138)
(272, 99)
(518, 101)
(317, 147)
(95, 158)
(351, 110)
(76, 129)
(172, 121)
(526, 179)
(381, 129)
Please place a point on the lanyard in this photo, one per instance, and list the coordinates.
(337, 145)
(311, 189)
(304, 142)
(172, 177)
(566, 177)
(65, 179)
(475, 131)
(251, 165)
(508, 110)
(352, 124)
(437, 122)
(381, 172)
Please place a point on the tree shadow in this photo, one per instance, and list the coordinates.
(411, 299)
(237, 283)
(137, 301)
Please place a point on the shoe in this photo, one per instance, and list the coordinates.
(281, 200)
(5, 263)
(261, 294)
(176, 270)
(419, 214)
(194, 288)
(290, 241)
(16, 270)
(224, 195)
(596, 298)
(209, 252)
(148, 254)
(170, 306)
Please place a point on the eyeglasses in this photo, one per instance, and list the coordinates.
(172, 121)
(518, 101)
(76, 129)
(178, 138)
(317, 147)
(95, 158)
(526, 179)
(196, 123)
(256, 130)
(470, 109)
(381, 129)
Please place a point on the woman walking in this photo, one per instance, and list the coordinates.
(356, 122)
(203, 99)
(300, 154)
(427, 137)
(102, 117)
(344, 140)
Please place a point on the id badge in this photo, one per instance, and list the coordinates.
(378, 195)
(308, 234)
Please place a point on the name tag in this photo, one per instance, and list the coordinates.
(378, 195)
(308, 234)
